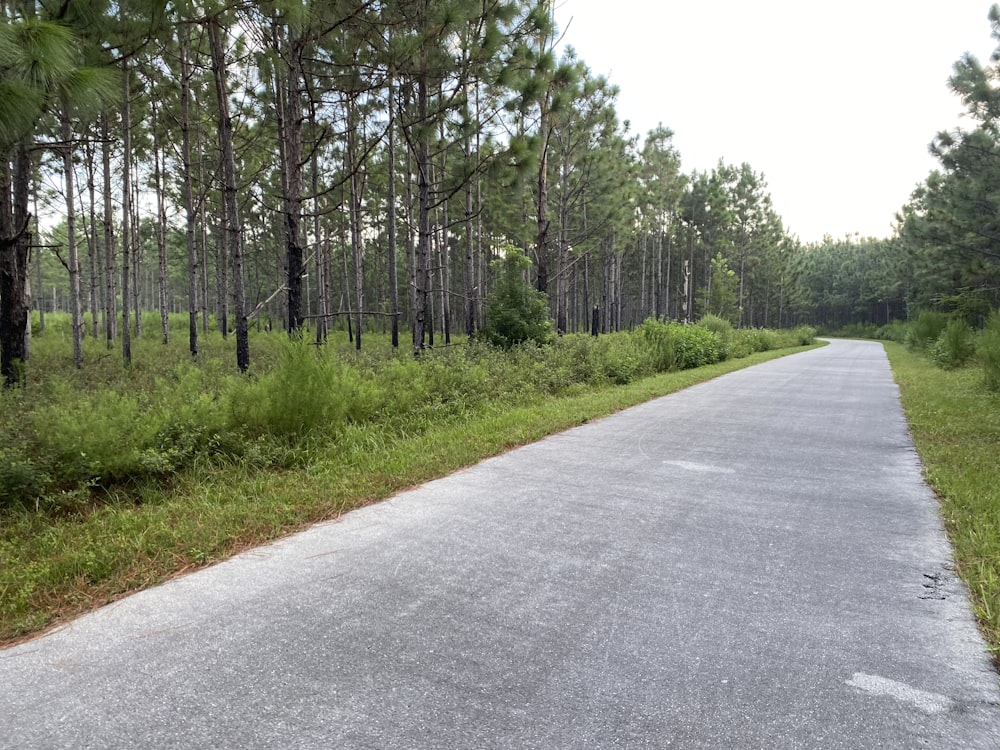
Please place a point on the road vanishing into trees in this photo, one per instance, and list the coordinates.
(754, 562)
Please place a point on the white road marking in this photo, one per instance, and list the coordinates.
(930, 703)
(706, 468)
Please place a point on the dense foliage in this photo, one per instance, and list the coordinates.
(62, 446)
(361, 165)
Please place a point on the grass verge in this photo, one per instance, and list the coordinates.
(955, 423)
(55, 568)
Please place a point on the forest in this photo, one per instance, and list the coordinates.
(359, 166)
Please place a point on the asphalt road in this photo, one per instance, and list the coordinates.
(751, 563)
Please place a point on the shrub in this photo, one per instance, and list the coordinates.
(310, 392)
(988, 351)
(697, 347)
(515, 312)
(22, 480)
(619, 358)
(926, 329)
(896, 331)
(804, 335)
(660, 345)
(675, 346)
(719, 326)
(954, 346)
(95, 436)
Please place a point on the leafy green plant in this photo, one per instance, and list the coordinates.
(926, 329)
(896, 330)
(515, 312)
(311, 392)
(803, 335)
(674, 346)
(954, 346)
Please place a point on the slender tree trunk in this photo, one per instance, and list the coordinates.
(322, 250)
(126, 210)
(161, 232)
(190, 215)
(73, 253)
(542, 240)
(94, 291)
(110, 266)
(444, 254)
(357, 250)
(391, 214)
(288, 90)
(232, 228)
(422, 271)
(137, 255)
(38, 271)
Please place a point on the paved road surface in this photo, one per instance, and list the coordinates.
(751, 563)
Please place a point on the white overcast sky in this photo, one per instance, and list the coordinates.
(834, 102)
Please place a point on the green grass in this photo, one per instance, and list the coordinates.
(58, 565)
(955, 423)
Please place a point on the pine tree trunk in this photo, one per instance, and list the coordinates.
(231, 226)
(126, 212)
(423, 251)
(94, 293)
(15, 239)
(73, 253)
(288, 88)
(190, 215)
(110, 268)
(161, 232)
(542, 239)
(391, 215)
(354, 170)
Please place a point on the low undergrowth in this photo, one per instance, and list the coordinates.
(116, 481)
(955, 422)
(68, 439)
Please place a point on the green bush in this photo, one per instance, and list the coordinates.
(22, 480)
(311, 392)
(803, 335)
(619, 358)
(954, 346)
(99, 436)
(988, 351)
(660, 345)
(896, 330)
(926, 329)
(719, 326)
(674, 346)
(515, 312)
(698, 347)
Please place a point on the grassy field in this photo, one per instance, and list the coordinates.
(955, 423)
(68, 558)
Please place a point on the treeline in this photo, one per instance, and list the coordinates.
(350, 163)
(303, 165)
(945, 256)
